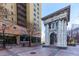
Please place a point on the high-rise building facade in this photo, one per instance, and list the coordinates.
(23, 13)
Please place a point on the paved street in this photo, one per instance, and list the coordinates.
(71, 51)
(27, 51)
(40, 51)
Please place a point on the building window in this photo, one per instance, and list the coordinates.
(57, 25)
(37, 8)
(38, 17)
(11, 7)
(38, 26)
(11, 13)
(5, 16)
(34, 10)
(14, 27)
(38, 21)
(34, 14)
(52, 25)
(34, 5)
(38, 13)
(49, 25)
(34, 24)
(38, 4)
(12, 19)
(34, 19)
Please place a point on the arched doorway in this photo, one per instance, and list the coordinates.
(53, 38)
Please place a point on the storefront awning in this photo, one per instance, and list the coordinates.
(13, 29)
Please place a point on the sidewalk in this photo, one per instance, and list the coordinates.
(28, 51)
(40, 51)
(70, 51)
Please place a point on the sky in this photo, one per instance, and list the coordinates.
(48, 8)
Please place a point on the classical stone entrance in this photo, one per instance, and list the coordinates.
(53, 38)
(56, 27)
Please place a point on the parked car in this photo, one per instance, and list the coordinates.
(72, 42)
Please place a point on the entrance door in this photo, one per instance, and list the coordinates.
(53, 38)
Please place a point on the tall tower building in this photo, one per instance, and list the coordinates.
(24, 13)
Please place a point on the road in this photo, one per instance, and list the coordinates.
(28, 51)
(70, 51)
(40, 51)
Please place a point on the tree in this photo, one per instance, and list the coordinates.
(4, 15)
(77, 37)
(30, 30)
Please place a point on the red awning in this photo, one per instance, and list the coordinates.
(13, 29)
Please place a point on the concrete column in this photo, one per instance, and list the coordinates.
(61, 42)
(47, 37)
(18, 40)
(59, 34)
(65, 34)
(62, 39)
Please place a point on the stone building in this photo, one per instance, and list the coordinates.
(56, 27)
